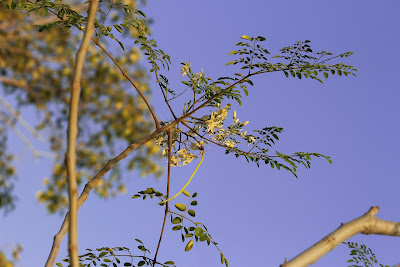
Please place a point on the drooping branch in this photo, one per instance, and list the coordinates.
(366, 224)
(70, 157)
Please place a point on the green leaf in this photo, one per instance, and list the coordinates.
(193, 203)
(326, 75)
(141, 263)
(186, 193)
(169, 262)
(103, 254)
(286, 74)
(203, 237)
(232, 52)
(138, 240)
(229, 63)
(118, 28)
(198, 231)
(135, 196)
(192, 213)
(180, 206)
(189, 245)
(176, 227)
(245, 37)
(246, 92)
(226, 262)
(298, 75)
(13, 4)
(194, 195)
(176, 220)
(222, 258)
(122, 46)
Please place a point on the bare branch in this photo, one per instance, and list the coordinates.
(70, 157)
(366, 224)
(24, 139)
(131, 82)
(14, 82)
(21, 120)
(166, 204)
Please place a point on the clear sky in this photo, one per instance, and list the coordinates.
(259, 216)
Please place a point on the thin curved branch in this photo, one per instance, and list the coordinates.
(70, 156)
(366, 224)
(131, 82)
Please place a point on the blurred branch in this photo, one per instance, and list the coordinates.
(14, 82)
(24, 139)
(21, 120)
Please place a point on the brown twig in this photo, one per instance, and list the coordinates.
(168, 182)
(131, 82)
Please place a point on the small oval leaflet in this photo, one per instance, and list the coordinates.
(198, 231)
(186, 193)
(245, 37)
(203, 237)
(180, 206)
(189, 245)
(192, 213)
(176, 220)
(176, 227)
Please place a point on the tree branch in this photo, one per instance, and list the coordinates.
(131, 82)
(70, 157)
(89, 186)
(366, 224)
(166, 204)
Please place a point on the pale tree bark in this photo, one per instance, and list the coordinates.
(366, 224)
(70, 157)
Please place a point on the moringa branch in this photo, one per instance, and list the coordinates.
(366, 224)
(70, 156)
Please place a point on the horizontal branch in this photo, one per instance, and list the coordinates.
(366, 224)
(14, 82)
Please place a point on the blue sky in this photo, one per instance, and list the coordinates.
(259, 216)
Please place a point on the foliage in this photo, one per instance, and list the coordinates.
(35, 71)
(112, 114)
(7, 175)
(362, 254)
(6, 262)
(111, 257)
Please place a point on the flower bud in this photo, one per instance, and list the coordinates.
(245, 123)
(234, 114)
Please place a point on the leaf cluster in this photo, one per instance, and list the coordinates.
(107, 257)
(362, 254)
